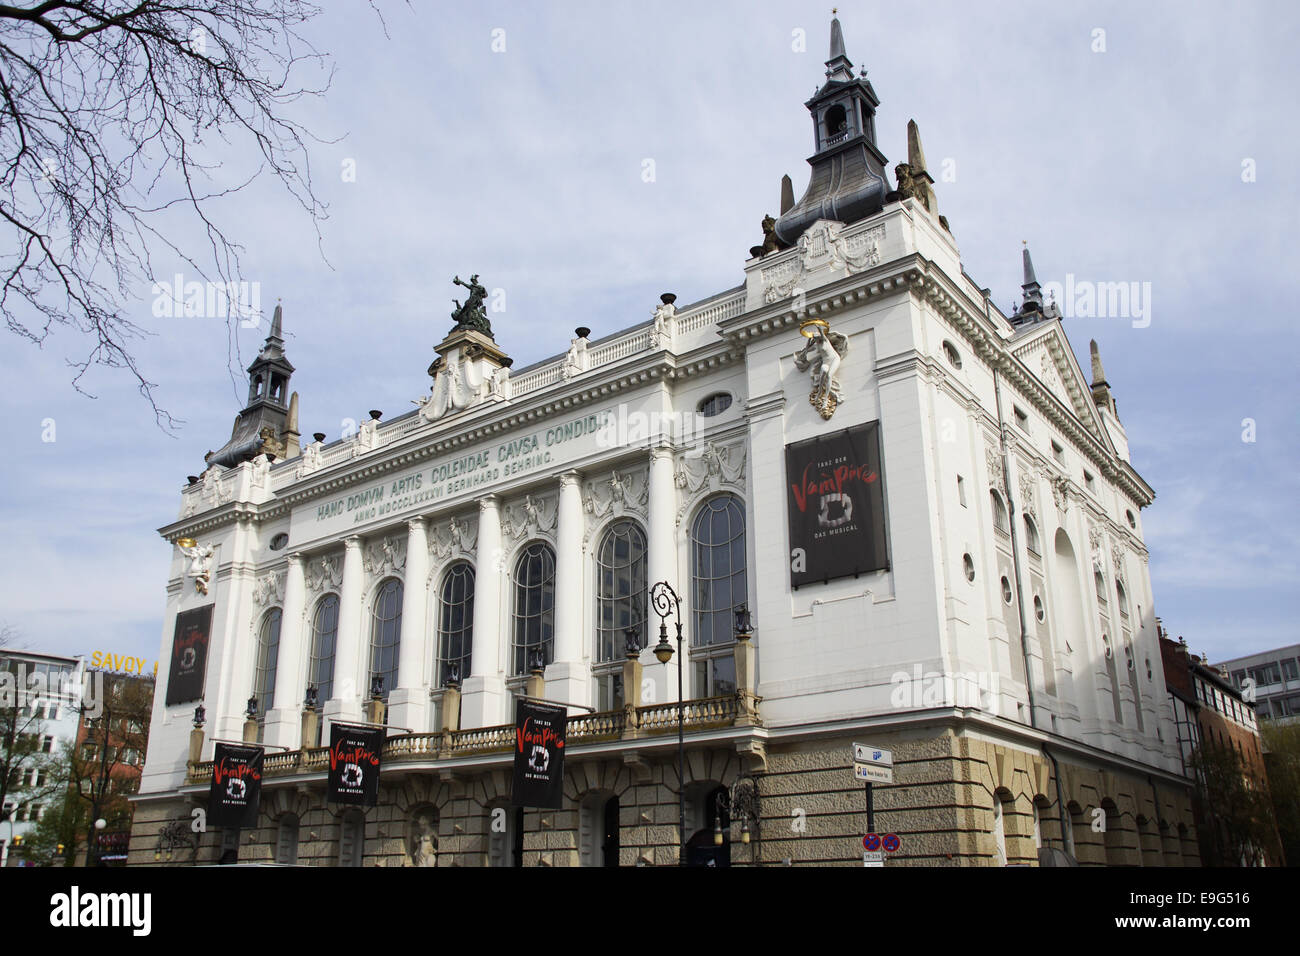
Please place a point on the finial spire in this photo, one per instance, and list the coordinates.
(1101, 396)
(277, 322)
(1033, 292)
(838, 67)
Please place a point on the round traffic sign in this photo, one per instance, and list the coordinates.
(872, 841)
(890, 842)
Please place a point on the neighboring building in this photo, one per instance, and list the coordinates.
(1271, 679)
(114, 746)
(50, 688)
(925, 508)
(1209, 710)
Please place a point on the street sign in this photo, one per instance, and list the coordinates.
(873, 858)
(871, 842)
(863, 753)
(890, 842)
(872, 773)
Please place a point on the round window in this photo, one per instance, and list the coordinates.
(1006, 589)
(969, 566)
(1039, 611)
(279, 542)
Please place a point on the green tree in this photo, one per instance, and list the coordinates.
(1236, 808)
(1281, 744)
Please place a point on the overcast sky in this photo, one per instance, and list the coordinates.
(525, 165)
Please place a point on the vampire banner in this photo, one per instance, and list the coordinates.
(354, 764)
(189, 655)
(236, 786)
(836, 505)
(539, 755)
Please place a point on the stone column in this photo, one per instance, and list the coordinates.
(568, 679)
(408, 703)
(483, 700)
(283, 725)
(661, 565)
(348, 663)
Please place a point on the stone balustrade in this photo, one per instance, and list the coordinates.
(703, 714)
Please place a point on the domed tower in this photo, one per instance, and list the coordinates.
(848, 171)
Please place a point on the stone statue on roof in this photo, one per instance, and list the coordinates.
(471, 315)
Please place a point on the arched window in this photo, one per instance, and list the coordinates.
(386, 635)
(999, 833)
(268, 651)
(1031, 537)
(598, 830)
(534, 619)
(718, 569)
(1123, 603)
(286, 840)
(455, 623)
(621, 588)
(324, 638)
(1000, 520)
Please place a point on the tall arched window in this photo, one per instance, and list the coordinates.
(455, 623)
(1031, 538)
(718, 569)
(534, 618)
(386, 635)
(621, 589)
(324, 638)
(268, 651)
(1001, 522)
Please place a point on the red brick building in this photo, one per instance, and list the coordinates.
(1219, 740)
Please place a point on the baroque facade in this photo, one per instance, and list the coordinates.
(503, 540)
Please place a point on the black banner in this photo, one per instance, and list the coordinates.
(354, 764)
(189, 655)
(539, 755)
(236, 786)
(836, 506)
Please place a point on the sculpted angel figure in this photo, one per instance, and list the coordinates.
(200, 565)
(821, 357)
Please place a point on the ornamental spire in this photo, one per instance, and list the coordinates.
(838, 66)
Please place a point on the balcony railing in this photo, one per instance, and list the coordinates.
(703, 714)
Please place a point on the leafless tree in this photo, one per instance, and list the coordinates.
(113, 119)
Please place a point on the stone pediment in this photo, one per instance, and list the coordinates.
(1046, 354)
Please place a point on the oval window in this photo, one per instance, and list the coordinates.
(715, 404)
(279, 541)
(968, 566)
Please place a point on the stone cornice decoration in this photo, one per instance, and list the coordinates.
(366, 439)
(385, 557)
(1060, 493)
(212, 493)
(530, 517)
(1028, 498)
(261, 466)
(712, 469)
(822, 246)
(269, 589)
(309, 461)
(993, 461)
(455, 538)
(623, 492)
(324, 573)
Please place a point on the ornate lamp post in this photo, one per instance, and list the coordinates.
(665, 602)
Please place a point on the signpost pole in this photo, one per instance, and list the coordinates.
(871, 811)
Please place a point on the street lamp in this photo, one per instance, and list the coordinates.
(665, 602)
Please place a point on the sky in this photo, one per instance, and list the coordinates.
(1149, 143)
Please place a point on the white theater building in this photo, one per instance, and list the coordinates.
(528, 512)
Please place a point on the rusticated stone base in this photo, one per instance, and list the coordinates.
(812, 812)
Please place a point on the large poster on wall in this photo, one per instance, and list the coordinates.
(836, 505)
(354, 764)
(189, 655)
(236, 786)
(539, 755)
